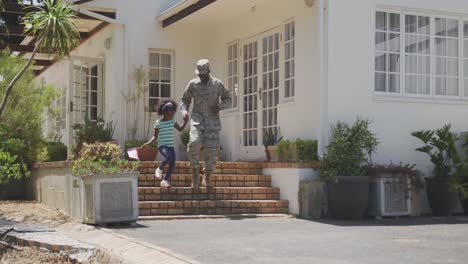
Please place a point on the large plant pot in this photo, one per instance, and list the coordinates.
(110, 198)
(147, 154)
(443, 199)
(272, 151)
(349, 198)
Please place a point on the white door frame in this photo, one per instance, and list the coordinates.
(73, 117)
(254, 148)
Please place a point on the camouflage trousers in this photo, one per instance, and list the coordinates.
(203, 140)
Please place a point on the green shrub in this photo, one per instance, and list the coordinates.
(93, 131)
(11, 168)
(101, 159)
(271, 138)
(56, 151)
(349, 150)
(306, 150)
(284, 150)
(185, 137)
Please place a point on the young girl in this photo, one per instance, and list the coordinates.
(164, 133)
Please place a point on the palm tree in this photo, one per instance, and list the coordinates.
(56, 31)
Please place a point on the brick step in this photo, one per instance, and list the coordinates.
(221, 193)
(219, 165)
(217, 180)
(213, 207)
(186, 170)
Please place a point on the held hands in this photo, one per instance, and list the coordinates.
(186, 118)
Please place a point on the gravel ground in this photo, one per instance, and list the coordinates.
(32, 256)
(31, 211)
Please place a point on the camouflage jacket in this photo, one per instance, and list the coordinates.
(204, 97)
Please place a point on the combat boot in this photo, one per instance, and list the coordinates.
(195, 178)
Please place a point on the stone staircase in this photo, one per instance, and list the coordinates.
(239, 188)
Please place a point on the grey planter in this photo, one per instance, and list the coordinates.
(110, 198)
(349, 198)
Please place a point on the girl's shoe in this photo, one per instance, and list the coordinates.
(165, 184)
(158, 173)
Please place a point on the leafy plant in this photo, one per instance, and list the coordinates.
(349, 150)
(284, 150)
(56, 151)
(307, 150)
(11, 168)
(185, 137)
(93, 131)
(57, 34)
(101, 159)
(405, 175)
(440, 146)
(271, 138)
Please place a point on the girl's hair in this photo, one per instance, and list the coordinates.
(166, 105)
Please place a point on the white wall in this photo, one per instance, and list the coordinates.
(351, 81)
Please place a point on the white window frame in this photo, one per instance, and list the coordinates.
(171, 53)
(432, 96)
(292, 60)
(234, 91)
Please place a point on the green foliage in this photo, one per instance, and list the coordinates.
(129, 144)
(185, 137)
(55, 22)
(11, 168)
(440, 146)
(93, 131)
(349, 150)
(271, 138)
(101, 159)
(404, 175)
(21, 123)
(56, 151)
(307, 150)
(284, 150)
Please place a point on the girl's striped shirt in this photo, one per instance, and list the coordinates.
(166, 132)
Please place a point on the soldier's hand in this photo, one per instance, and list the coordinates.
(186, 118)
(215, 109)
(185, 115)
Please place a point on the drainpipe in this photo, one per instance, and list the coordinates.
(323, 50)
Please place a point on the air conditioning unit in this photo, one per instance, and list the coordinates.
(389, 197)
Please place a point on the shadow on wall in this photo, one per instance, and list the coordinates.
(14, 190)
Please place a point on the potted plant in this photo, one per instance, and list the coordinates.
(93, 131)
(443, 190)
(144, 154)
(286, 151)
(392, 186)
(343, 168)
(306, 150)
(110, 184)
(271, 138)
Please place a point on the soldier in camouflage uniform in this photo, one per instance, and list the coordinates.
(209, 97)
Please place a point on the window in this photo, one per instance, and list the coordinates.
(233, 72)
(160, 77)
(419, 55)
(289, 55)
(465, 59)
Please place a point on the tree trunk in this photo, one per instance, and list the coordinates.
(20, 74)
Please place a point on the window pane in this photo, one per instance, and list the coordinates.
(165, 60)
(452, 86)
(154, 59)
(380, 80)
(440, 86)
(154, 75)
(440, 46)
(465, 48)
(394, 83)
(394, 22)
(411, 43)
(165, 75)
(411, 84)
(424, 45)
(423, 65)
(440, 26)
(423, 25)
(452, 67)
(410, 24)
(394, 42)
(165, 90)
(380, 41)
(440, 66)
(452, 47)
(286, 51)
(394, 62)
(465, 68)
(452, 28)
(381, 21)
(153, 90)
(424, 85)
(465, 28)
(466, 88)
(411, 64)
(380, 62)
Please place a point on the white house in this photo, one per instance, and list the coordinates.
(297, 65)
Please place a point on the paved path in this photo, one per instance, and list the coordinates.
(283, 240)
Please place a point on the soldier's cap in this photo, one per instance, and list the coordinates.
(203, 67)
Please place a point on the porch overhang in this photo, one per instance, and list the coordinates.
(181, 10)
(89, 21)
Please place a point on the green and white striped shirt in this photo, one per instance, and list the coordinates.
(166, 132)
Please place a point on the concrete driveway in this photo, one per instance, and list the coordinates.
(287, 240)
